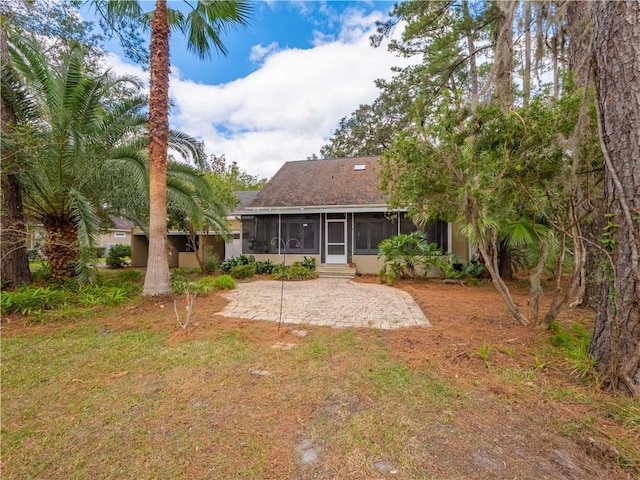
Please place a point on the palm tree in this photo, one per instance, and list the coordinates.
(202, 26)
(14, 263)
(86, 139)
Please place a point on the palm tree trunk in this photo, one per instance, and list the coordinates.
(61, 247)
(14, 263)
(156, 280)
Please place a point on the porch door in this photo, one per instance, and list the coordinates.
(336, 240)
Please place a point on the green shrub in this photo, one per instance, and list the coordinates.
(231, 262)
(98, 252)
(243, 271)
(178, 281)
(309, 263)
(211, 264)
(29, 299)
(116, 258)
(224, 282)
(293, 272)
(265, 267)
(130, 276)
(402, 255)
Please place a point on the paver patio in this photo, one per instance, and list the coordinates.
(332, 302)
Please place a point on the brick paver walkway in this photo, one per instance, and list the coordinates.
(332, 302)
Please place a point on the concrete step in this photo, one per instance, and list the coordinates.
(335, 271)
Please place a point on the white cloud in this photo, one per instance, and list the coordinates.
(259, 52)
(289, 107)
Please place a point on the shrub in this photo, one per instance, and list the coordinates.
(116, 258)
(98, 252)
(265, 267)
(293, 272)
(231, 262)
(30, 299)
(309, 263)
(178, 281)
(243, 271)
(224, 282)
(403, 253)
(211, 264)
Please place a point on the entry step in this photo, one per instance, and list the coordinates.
(330, 270)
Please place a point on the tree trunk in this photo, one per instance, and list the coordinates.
(580, 31)
(156, 281)
(504, 54)
(487, 245)
(14, 262)
(61, 247)
(526, 79)
(615, 345)
(473, 67)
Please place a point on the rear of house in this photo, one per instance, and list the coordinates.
(331, 210)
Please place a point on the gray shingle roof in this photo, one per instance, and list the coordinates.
(329, 182)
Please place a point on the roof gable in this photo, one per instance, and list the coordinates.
(330, 182)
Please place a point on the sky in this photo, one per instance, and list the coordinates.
(285, 84)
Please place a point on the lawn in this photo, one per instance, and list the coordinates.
(126, 394)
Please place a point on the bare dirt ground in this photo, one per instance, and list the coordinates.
(527, 415)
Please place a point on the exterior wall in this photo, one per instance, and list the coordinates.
(187, 260)
(177, 246)
(216, 242)
(108, 239)
(367, 264)
(459, 243)
(139, 250)
(371, 264)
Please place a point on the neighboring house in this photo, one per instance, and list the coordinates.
(331, 210)
(118, 234)
(181, 252)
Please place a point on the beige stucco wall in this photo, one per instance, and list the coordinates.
(108, 239)
(459, 243)
(139, 251)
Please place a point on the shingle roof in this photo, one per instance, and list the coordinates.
(323, 182)
(245, 198)
(120, 223)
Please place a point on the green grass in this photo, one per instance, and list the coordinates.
(86, 401)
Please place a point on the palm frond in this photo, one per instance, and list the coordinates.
(205, 23)
(87, 224)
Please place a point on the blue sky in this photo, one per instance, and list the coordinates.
(287, 81)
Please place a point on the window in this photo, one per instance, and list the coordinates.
(299, 233)
(120, 234)
(437, 232)
(370, 230)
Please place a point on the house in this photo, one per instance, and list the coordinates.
(181, 251)
(331, 210)
(117, 234)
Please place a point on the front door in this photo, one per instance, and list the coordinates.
(336, 241)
